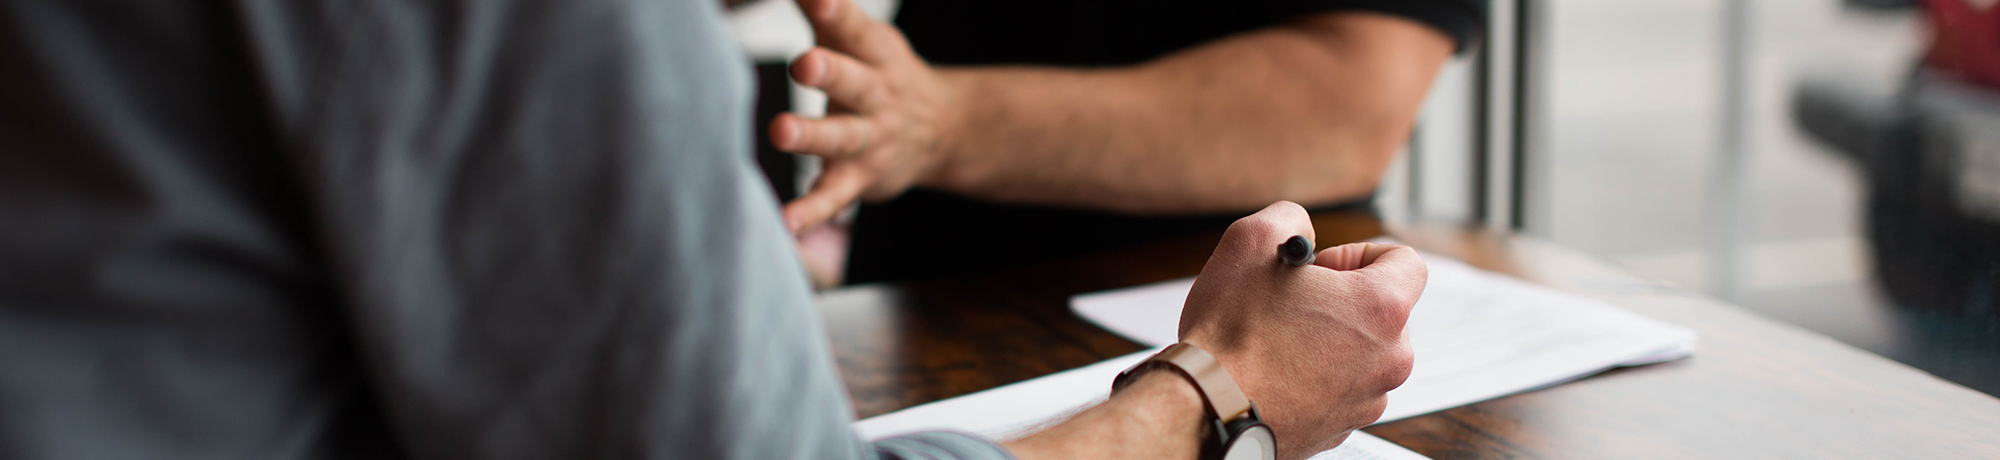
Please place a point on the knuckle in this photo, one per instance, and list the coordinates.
(823, 64)
(805, 136)
(1289, 207)
(1411, 290)
(1388, 307)
(1402, 299)
(1397, 367)
(878, 36)
(856, 37)
(1395, 299)
(1419, 270)
(1258, 226)
(874, 95)
(1269, 225)
(832, 78)
(894, 41)
(1373, 411)
(861, 138)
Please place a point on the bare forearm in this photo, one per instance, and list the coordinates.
(1158, 417)
(1309, 114)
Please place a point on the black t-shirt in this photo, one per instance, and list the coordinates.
(900, 239)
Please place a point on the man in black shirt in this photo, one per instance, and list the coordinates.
(1044, 128)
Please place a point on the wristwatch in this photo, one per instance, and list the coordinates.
(1237, 432)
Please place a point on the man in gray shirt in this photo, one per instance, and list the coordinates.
(497, 229)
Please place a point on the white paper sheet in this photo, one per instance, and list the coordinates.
(1008, 411)
(1012, 411)
(1477, 335)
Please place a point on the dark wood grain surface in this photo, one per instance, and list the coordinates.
(1756, 388)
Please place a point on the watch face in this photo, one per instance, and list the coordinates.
(1254, 443)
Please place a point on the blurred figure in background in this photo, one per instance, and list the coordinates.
(1045, 128)
(500, 229)
(1931, 157)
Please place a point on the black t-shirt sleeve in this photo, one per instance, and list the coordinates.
(1462, 20)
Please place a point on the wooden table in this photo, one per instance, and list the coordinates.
(1755, 389)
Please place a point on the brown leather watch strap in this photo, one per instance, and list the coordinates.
(1225, 399)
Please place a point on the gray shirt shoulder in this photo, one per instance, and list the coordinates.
(482, 229)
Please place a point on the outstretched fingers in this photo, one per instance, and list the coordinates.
(842, 26)
(839, 186)
(835, 137)
(845, 80)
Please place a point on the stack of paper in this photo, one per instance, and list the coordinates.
(1478, 335)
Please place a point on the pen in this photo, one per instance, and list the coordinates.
(1296, 250)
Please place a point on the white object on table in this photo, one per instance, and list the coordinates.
(1015, 410)
(1478, 335)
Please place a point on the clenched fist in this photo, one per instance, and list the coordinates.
(1316, 347)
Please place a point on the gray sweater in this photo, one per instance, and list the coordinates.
(278, 229)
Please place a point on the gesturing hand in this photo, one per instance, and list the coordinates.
(884, 119)
(1317, 347)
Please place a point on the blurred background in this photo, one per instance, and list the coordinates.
(1819, 162)
(1794, 157)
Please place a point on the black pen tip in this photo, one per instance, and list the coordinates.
(1296, 250)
